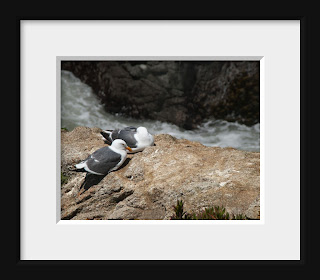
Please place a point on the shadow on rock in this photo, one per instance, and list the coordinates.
(89, 181)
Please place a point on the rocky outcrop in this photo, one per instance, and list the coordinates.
(184, 93)
(150, 182)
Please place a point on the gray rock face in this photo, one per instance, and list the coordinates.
(184, 93)
(150, 182)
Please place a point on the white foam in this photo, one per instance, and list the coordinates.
(81, 107)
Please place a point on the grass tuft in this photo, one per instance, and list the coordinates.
(64, 178)
(210, 213)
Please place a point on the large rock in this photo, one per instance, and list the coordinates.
(150, 182)
(184, 93)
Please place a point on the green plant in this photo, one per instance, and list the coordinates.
(240, 217)
(213, 213)
(210, 213)
(179, 213)
(64, 178)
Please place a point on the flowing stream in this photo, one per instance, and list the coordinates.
(81, 107)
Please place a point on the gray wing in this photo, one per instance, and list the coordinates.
(126, 134)
(103, 160)
(130, 128)
(114, 134)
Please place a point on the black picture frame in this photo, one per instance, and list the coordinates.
(305, 263)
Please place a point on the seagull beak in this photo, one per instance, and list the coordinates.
(128, 148)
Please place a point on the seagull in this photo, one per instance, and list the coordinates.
(106, 159)
(137, 138)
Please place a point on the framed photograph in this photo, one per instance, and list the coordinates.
(225, 152)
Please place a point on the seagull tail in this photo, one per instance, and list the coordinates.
(106, 134)
(80, 167)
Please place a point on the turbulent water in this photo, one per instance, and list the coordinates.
(81, 107)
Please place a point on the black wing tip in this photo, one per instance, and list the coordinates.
(106, 137)
(77, 170)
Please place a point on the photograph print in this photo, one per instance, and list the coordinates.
(160, 139)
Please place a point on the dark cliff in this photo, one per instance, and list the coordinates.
(184, 93)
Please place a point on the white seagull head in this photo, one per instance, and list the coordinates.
(120, 145)
(142, 131)
(144, 136)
